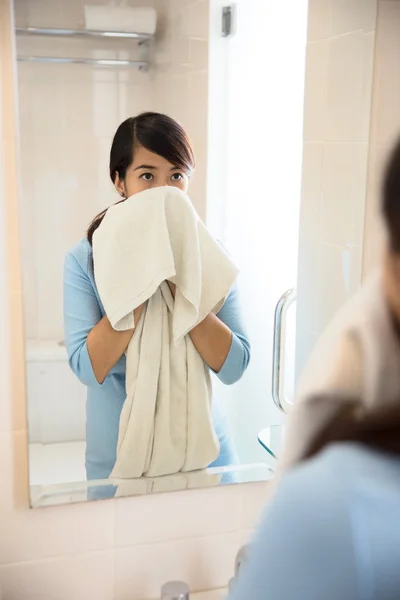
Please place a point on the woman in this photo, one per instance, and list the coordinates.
(149, 150)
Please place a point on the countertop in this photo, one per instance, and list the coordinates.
(214, 595)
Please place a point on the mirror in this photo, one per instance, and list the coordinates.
(212, 68)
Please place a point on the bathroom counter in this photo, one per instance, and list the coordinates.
(214, 595)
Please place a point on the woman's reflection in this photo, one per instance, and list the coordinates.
(149, 150)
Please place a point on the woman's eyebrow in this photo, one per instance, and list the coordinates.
(144, 167)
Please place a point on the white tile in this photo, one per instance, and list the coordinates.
(353, 15)
(78, 103)
(80, 577)
(328, 276)
(104, 105)
(367, 82)
(374, 232)
(36, 534)
(44, 13)
(306, 340)
(198, 54)
(311, 194)
(21, 13)
(139, 100)
(196, 123)
(344, 189)
(173, 98)
(204, 563)
(387, 74)
(198, 20)
(319, 19)
(46, 102)
(315, 93)
(181, 53)
(255, 498)
(348, 94)
(179, 515)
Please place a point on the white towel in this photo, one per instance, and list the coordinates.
(140, 19)
(166, 424)
(358, 356)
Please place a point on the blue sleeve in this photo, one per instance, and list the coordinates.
(81, 313)
(239, 354)
(303, 548)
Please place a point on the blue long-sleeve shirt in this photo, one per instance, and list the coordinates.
(330, 532)
(82, 311)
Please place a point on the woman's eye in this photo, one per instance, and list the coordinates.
(147, 176)
(177, 177)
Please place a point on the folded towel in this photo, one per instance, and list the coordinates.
(136, 19)
(166, 424)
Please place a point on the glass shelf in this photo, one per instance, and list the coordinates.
(271, 439)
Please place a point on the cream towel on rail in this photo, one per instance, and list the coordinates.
(358, 356)
(166, 423)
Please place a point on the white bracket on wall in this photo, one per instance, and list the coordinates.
(227, 21)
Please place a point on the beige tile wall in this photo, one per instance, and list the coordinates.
(111, 550)
(69, 114)
(181, 82)
(339, 75)
(385, 127)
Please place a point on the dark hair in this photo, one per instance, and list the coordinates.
(391, 198)
(155, 132)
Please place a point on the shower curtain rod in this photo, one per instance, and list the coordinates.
(103, 62)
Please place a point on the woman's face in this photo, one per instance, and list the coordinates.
(150, 170)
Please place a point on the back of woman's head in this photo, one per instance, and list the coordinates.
(155, 132)
(391, 198)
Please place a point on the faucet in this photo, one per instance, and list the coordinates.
(175, 590)
(179, 590)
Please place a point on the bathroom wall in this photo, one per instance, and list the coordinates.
(337, 118)
(181, 81)
(385, 125)
(117, 549)
(69, 114)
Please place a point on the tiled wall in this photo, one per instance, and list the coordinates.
(385, 126)
(181, 82)
(111, 550)
(69, 114)
(339, 75)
